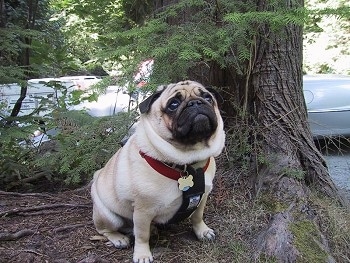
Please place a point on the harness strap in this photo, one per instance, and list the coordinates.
(192, 197)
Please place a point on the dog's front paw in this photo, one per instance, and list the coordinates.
(143, 258)
(142, 253)
(208, 234)
(203, 232)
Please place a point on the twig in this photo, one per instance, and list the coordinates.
(39, 213)
(33, 252)
(29, 179)
(27, 194)
(41, 207)
(15, 236)
(68, 227)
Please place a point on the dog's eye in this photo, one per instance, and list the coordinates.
(173, 104)
(208, 97)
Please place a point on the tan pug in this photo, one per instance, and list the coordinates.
(180, 125)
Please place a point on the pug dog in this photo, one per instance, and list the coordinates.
(180, 125)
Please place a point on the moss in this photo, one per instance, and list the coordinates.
(267, 259)
(297, 174)
(271, 204)
(307, 241)
(334, 220)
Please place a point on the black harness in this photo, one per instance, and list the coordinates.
(192, 197)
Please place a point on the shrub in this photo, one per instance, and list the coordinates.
(79, 145)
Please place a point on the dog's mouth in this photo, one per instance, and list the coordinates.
(195, 124)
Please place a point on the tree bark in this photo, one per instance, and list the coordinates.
(25, 57)
(2, 14)
(286, 161)
(280, 111)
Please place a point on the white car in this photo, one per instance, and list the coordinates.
(37, 90)
(114, 99)
(327, 99)
(81, 82)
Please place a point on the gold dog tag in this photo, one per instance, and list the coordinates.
(185, 183)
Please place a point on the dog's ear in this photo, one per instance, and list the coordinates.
(217, 95)
(145, 105)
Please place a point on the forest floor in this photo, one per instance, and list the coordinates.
(58, 227)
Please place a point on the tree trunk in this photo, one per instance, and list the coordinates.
(286, 161)
(281, 113)
(25, 56)
(2, 14)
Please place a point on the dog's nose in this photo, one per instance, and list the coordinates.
(194, 103)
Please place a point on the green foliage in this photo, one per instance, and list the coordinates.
(13, 158)
(27, 34)
(79, 145)
(335, 220)
(222, 32)
(276, 19)
(84, 144)
(294, 173)
(120, 35)
(84, 26)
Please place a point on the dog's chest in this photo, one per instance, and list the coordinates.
(168, 206)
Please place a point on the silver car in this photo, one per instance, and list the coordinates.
(327, 99)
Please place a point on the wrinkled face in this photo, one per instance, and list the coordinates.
(187, 109)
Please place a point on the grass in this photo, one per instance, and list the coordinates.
(307, 240)
(335, 221)
(235, 216)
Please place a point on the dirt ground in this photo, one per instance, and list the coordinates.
(58, 227)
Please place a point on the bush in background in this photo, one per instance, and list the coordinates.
(81, 146)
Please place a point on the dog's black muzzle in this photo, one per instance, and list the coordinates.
(196, 122)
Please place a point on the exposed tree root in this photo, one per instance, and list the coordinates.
(277, 240)
(22, 211)
(68, 227)
(16, 236)
(26, 194)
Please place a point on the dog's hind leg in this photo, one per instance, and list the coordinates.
(108, 224)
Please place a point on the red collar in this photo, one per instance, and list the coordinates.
(166, 170)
